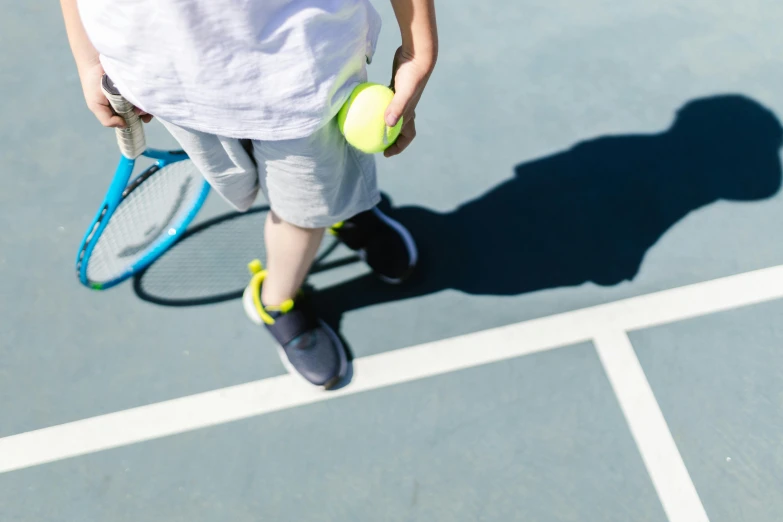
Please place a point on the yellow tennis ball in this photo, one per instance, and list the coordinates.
(361, 119)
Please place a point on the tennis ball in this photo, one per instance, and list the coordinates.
(361, 119)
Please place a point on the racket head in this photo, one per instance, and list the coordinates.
(139, 220)
(208, 264)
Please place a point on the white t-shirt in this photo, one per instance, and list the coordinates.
(258, 69)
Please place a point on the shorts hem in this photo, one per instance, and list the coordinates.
(326, 222)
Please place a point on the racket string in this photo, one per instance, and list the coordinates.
(145, 217)
(209, 263)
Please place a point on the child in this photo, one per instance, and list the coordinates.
(250, 89)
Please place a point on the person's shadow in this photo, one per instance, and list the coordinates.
(587, 214)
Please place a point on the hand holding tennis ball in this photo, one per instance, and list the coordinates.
(361, 118)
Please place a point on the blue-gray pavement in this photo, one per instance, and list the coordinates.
(531, 225)
(537, 438)
(719, 382)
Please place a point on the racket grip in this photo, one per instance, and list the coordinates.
(131, 139)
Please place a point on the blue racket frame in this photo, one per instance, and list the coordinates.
(110, 203)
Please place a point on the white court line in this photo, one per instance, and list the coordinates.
(655, 442)
(389, 368)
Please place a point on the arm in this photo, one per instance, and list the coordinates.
(83, 52)
(413, 64)
(89, 67)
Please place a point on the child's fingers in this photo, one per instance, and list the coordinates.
(403, 96)
(106, 116)
(116, 122)
(145, 116)
(400, 145)
(392, 151)
(407, 135)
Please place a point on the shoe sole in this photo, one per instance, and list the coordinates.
(410, 245)
(252, 314)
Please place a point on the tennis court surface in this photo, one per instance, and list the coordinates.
(594, 333)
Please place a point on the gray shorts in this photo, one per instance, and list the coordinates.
(310, 182)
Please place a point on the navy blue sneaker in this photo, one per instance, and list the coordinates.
(307, 346)
(383, 243)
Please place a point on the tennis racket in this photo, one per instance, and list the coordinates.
(141, 216)
(208, 264)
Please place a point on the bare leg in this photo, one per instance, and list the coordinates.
(290, 252)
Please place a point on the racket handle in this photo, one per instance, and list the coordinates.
(131, 139)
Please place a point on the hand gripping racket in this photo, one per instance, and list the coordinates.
(141, 216)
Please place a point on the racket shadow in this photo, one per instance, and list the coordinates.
(208, 264)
